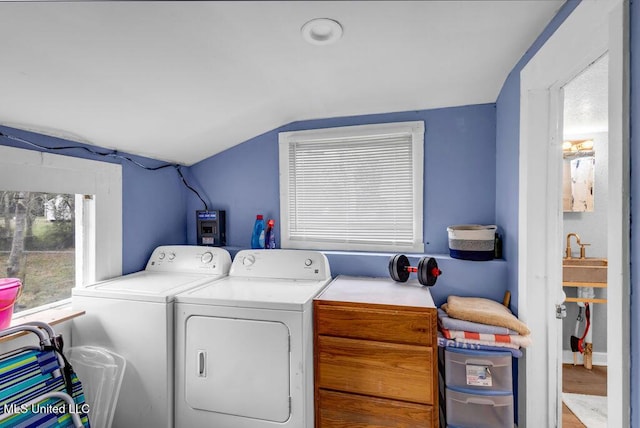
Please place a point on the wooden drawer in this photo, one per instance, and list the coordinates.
(388, 325)
(389, 370)
(339, 410)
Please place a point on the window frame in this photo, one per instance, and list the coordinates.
(415, 128)
(101, 233)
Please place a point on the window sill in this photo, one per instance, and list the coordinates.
(233, 250)
(443, 256)
(51, 316)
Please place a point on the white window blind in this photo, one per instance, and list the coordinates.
(353, 188)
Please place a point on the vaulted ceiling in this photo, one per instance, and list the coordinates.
(181, 81)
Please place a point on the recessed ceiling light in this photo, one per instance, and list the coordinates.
(321, 31)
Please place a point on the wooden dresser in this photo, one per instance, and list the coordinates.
(375, 355)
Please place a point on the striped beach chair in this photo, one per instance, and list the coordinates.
(38, 388)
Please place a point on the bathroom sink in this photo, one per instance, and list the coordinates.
(584, 270)
(589, 261)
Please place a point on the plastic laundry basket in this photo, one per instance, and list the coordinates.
(101, 372)
(9, 291)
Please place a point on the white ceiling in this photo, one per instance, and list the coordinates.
(181, 81)
(586, 100)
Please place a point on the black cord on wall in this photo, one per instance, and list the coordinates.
(112, 154)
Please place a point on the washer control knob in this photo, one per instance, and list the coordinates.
(172, 256)
(248, 260)
(161, 256)
(207, 257)
(308, 262)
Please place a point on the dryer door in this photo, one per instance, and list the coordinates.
(238, 367)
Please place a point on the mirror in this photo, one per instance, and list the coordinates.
(585, 131)
(578, 178)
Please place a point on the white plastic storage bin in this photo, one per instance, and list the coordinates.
(478, 370)
(482, 410)
(472, 241)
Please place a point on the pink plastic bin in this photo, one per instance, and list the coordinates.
(9, 291)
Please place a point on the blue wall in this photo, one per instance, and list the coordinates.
(154, 212)
(507, 152)
(459, 173)
(459, 187)
(153, 201)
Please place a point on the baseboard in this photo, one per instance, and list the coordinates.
(597, 358)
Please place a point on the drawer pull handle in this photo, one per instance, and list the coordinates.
(476, 400)
(480, 362)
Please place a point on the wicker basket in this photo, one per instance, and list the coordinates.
(472, 241)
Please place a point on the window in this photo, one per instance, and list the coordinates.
(353, 188)
(71, 210)
(37, 245)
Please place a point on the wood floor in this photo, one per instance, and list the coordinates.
(578, 380)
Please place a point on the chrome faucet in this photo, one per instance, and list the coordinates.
(567, 252)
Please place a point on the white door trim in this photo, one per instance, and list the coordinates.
(593, 28)
(618, 219)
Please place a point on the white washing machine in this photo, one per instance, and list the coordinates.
(244, 344)
(132, 315)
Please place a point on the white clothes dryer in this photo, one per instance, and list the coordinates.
(245, 343)
(132, 315)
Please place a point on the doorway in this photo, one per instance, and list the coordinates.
(591, 30)
(585, 127)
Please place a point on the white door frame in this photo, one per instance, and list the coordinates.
(593, 28)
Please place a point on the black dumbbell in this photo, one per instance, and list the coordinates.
(427, 270)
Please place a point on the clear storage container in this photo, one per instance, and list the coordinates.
(100, 371)
(479, 410)
(478, 370)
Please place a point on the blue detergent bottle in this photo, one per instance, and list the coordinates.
(270, 237)
(257, 238)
